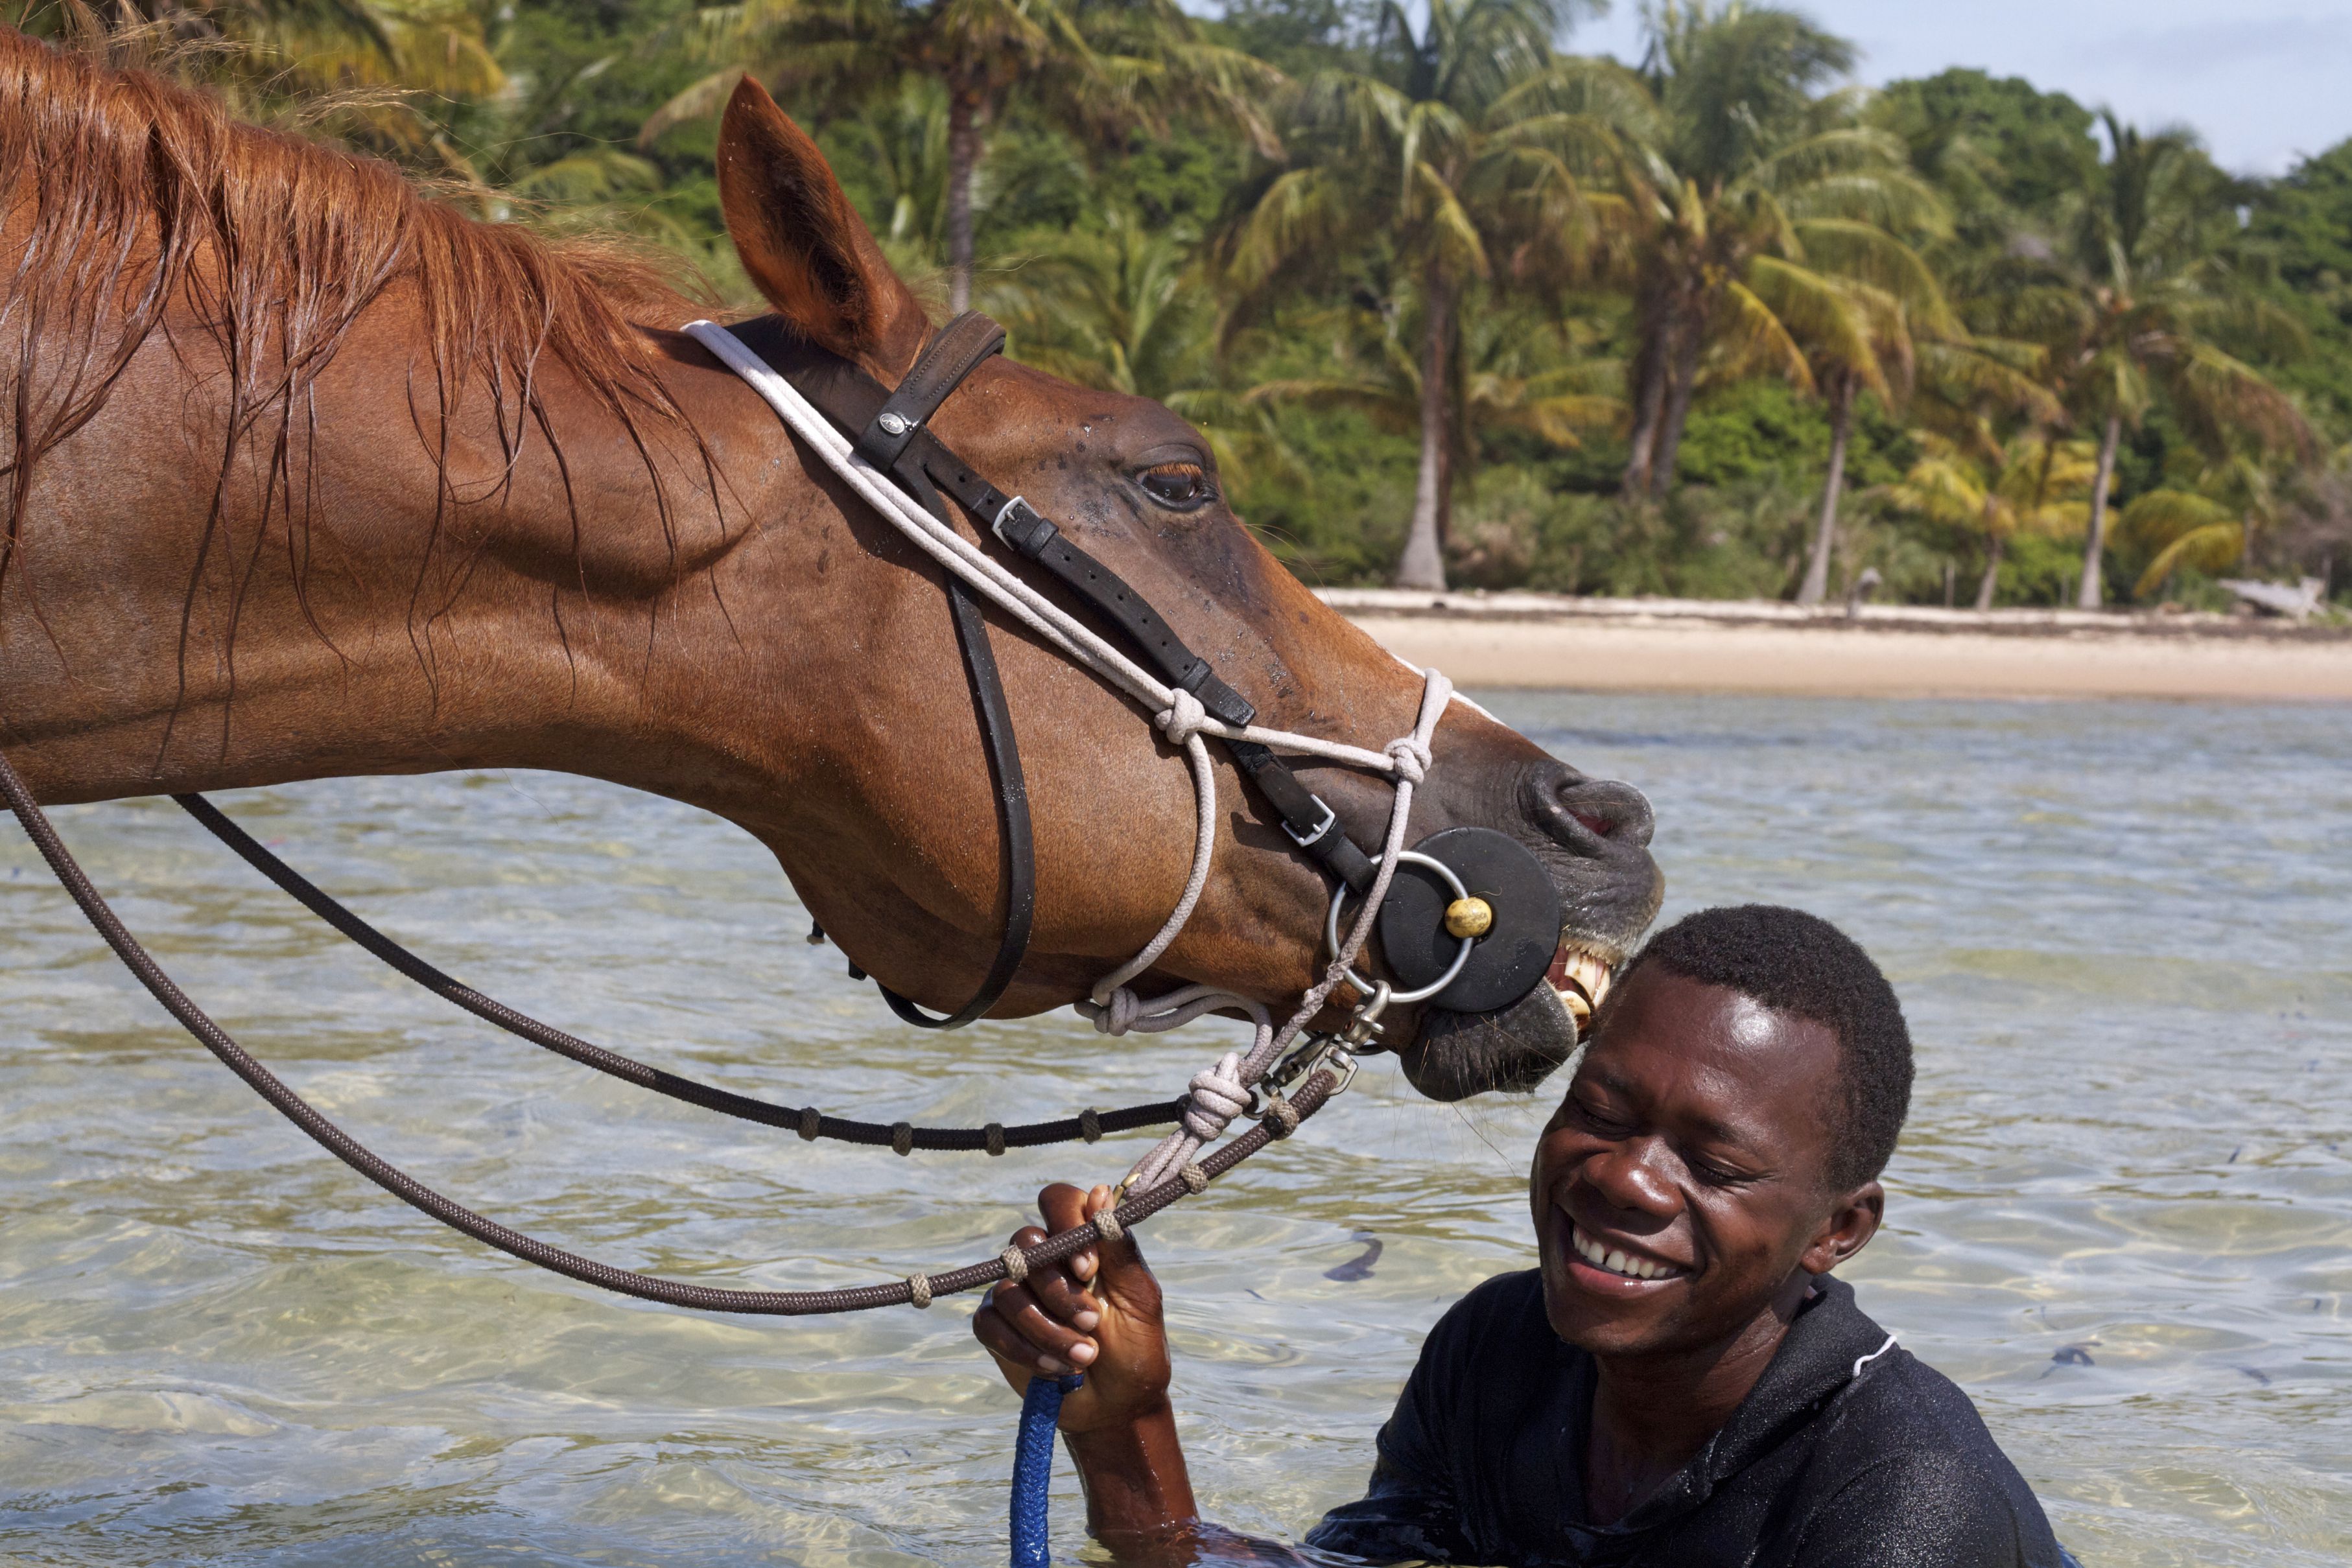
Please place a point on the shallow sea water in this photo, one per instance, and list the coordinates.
(2122, 1218)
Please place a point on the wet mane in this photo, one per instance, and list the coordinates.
(142, 204)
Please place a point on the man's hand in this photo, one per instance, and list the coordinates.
(1098, 1313)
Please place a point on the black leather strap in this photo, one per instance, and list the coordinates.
(1019, 857)
(892, 424)
(959, 350)
(855, 401)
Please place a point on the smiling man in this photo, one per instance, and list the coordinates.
(1682, 1380)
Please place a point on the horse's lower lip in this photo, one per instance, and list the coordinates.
(1582, 978)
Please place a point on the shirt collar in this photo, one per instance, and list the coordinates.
(1829, 1343)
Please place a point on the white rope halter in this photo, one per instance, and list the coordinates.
(1223, 1091)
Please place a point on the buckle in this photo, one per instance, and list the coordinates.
(1018, 525)
(1316, 1050)
(1308, 840)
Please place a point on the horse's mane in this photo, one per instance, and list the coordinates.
(139, 202)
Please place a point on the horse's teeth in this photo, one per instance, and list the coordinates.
(1583, 982)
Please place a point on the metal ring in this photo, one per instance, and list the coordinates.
(1365, 987)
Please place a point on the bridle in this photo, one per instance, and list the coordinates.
(822, 397)
(899, 467)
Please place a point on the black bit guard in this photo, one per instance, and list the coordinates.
(1509, 960)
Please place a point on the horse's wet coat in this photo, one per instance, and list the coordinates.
(310, 476)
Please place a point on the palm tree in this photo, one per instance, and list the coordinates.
(1962, 384)
(1754, 216)
(1108, 308)
(1101, 68)
(2034, 483)
(1504, 371)
(1451, 153)
(2133, 303)
(902, 136)
(1125, 308)
(2210, 524)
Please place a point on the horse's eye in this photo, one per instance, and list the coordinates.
(1181, 484)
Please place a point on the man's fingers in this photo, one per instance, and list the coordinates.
(1063, 1205)
(1115, 1256)
(1018, 1307)
(1065, 1208)
(988, 1326)
(1061, 1296)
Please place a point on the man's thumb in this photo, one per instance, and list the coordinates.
(1120, 1258)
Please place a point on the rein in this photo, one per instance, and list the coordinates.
(901, 469)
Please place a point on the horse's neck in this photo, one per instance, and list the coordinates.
(369, 587)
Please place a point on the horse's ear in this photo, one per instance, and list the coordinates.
(801, 241)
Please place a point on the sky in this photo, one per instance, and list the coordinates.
(2264, 81)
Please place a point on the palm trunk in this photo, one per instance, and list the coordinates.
(1682, 382)
(1817, 569)
(1649, 407)
(1424, 565)
(1992, 573)
(963, 160)
(2092, 595)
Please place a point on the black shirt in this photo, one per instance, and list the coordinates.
(1848, 1452)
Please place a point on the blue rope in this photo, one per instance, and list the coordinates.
(1032, 1469)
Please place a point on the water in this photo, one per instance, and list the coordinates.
(2122, 1218)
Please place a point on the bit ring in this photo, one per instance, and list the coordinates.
(1365, 987)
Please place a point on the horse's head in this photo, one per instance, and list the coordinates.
(889, 831)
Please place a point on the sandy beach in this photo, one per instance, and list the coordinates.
(1546, 640)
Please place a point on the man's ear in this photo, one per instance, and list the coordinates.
(1847, 1230)
(801, 242)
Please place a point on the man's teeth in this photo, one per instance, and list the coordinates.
(1619, 1262)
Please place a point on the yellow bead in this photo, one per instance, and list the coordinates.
(1469, 917)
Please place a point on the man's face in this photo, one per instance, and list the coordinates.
(1679, 1191)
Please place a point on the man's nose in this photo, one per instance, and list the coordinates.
(1629, 1176)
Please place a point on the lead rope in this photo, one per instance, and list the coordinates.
(1168, 1174)
(1321, 1081)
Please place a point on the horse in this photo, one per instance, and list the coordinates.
(309, 474)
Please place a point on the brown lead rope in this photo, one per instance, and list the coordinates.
(807, 1121)
(1282, 1119)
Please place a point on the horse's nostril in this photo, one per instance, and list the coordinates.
(1561, 799)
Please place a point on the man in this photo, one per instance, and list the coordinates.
(1682, 1382)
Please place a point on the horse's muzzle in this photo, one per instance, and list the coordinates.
(1495, 1024)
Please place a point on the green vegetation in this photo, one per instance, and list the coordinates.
(1455, 303)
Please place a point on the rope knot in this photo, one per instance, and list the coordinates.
(1118, 1012)
(1107, 1225)
(1281, 1117)
(1218, 1096)
(919, 1289)
(1408, 757)
(1016, 1264)
(1182, 717)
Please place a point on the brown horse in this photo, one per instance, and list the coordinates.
(307, 476)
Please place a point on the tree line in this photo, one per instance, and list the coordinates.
(1455, 303)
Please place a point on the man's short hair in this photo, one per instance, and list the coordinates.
(1799, 963)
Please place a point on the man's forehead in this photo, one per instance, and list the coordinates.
(1720, 1060)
